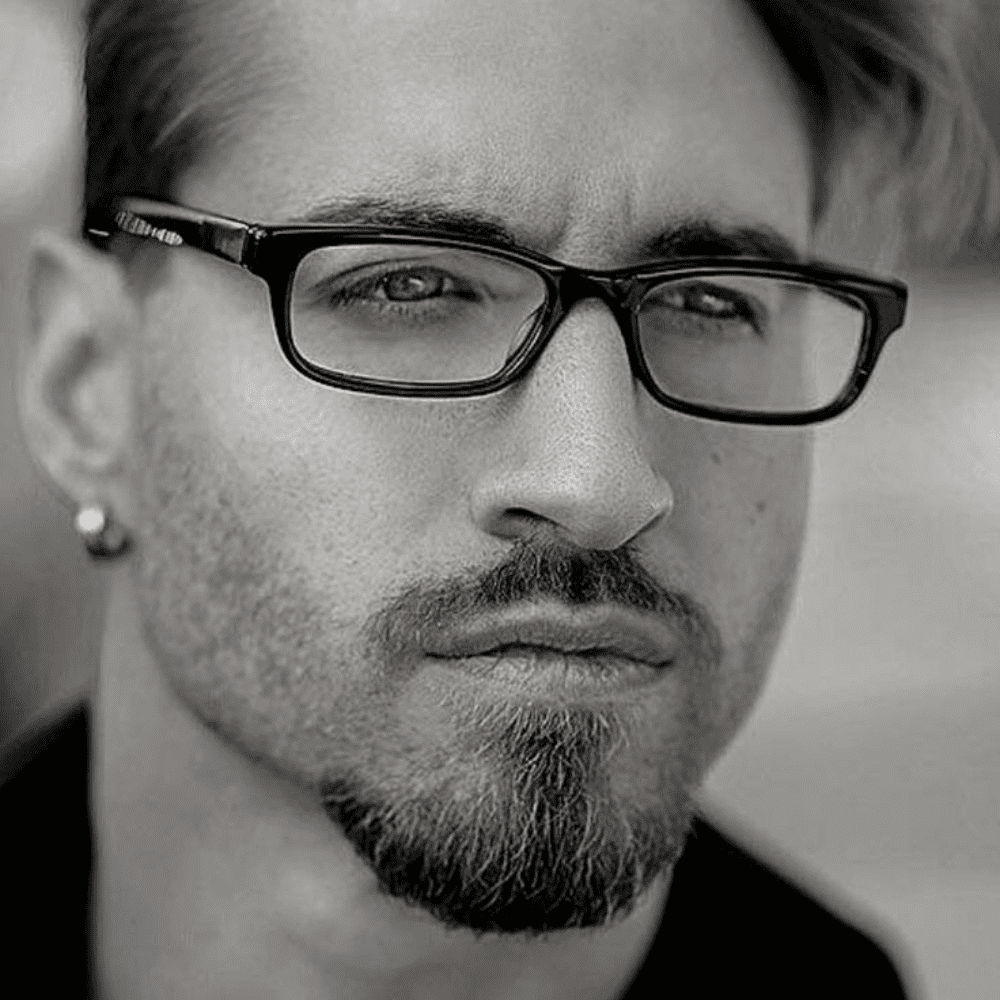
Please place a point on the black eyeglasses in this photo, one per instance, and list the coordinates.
(405, 312)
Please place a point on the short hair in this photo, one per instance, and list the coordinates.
(895, 124)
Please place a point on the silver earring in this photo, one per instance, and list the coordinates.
(102, 536)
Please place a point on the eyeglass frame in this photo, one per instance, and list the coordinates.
(273, 253)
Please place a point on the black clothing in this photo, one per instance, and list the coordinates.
(732, 927)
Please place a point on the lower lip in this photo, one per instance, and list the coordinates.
(549, 673)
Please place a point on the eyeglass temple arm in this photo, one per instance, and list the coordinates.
(172, 225)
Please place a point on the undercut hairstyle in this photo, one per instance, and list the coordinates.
(903, 158)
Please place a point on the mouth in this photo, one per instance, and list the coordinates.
(538, 647)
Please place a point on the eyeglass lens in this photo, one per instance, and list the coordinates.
(422, 313)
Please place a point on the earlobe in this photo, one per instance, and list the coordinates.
(76, 379)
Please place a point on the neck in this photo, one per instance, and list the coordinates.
(216, 876)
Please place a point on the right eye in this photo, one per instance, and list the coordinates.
(391, 286)
(413, 286)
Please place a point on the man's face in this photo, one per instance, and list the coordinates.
(376, 595)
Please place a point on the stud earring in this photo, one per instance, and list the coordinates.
(101, 535)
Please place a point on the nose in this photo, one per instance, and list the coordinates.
(568, 456)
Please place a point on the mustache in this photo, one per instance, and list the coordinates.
(536, 571)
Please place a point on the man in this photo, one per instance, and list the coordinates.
(435, 385)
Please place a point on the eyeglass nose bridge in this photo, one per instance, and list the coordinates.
(574, 286)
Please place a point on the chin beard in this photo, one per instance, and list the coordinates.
(541, 842)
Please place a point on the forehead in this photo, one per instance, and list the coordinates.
(585, 125)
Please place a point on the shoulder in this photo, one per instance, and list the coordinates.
(47, 850)
(745, 925)
(60, 741)
(44, 779)
(44, 784)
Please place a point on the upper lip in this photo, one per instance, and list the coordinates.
(608, 630)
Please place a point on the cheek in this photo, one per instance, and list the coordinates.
(341, 481)
(742, 500)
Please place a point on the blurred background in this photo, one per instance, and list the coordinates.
(871, 769)
(50, 597)
(873, 761)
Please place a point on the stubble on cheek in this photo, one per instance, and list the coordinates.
(770, 481)
(503, 816)
(232, 623)
(509, 818)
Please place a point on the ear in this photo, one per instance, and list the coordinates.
(76, 384)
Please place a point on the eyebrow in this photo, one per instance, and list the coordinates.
(703, 237)
(695, 236)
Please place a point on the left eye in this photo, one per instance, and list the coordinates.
(715, 303)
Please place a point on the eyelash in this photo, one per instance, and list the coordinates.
(341, 290)
(743, 309)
